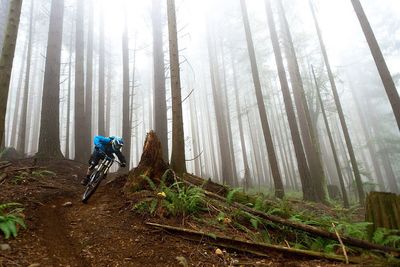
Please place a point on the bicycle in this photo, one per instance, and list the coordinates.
(97, 176)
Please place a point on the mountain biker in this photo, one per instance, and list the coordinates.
(104, 146)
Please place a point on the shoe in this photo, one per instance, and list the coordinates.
(85, 181)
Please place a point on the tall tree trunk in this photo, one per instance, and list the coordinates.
(101, 119)
(79, 114)
(234, 178)
(222, 132)
(380, 62)
(160, 102)
(18, 96)
(126, 130)
(21, 144)
(332, 144)
(49, 139)
(68, 124)
(382, 148)
(7, 57)
(357, 176)
(309, 137)
(305, 176)
(371, 147)
(247, 177)
(178, 142)
(4, 7)
(279, 191)
(89, 79)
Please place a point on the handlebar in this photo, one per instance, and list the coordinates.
(109, 158)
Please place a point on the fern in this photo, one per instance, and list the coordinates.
(150, 182)
(385, 236)
(231, 194)
(9, 220)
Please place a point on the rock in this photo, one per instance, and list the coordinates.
(34, 265)
(5, 247)
(67, 204)
(182, 261)
(218, 252)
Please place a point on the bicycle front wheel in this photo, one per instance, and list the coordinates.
(91, 187)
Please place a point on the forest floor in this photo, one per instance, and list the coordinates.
(61, 231)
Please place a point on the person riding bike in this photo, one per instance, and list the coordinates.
(104, 146)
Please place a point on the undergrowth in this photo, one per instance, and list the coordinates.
(11, 218)
(177, 199)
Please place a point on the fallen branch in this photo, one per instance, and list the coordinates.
(3, 176)
(341, 244)
(5, 165)
(259, 249)
(306, 228)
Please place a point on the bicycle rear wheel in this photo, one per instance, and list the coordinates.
(91, 187)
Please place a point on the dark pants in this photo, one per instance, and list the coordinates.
(96, 156)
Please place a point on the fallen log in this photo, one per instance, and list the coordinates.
(307, 228)
(259, 249)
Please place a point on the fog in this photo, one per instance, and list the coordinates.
(367, 110)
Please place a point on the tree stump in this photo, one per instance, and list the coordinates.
(383, 210)
(151, 165)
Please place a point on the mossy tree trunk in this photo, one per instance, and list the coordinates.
(151, 165)
(383, 210)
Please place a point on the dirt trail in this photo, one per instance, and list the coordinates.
(103, 232)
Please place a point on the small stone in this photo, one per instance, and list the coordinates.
(67, 204)
(34, 265)
(218, 252)
(53, 206)
(5, 247)
(137, 239)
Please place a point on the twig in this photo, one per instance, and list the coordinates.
(341, 244)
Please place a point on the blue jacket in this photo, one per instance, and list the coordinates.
(104, 144)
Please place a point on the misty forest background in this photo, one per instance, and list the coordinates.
(280, 96)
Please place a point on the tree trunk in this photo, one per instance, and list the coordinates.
(178, 142)
(247, 177)
(89, 79)
(222, 132)
(101, 113)
(383, 210)
(279, 191)
(234, 179)
(307, 186)
(126, 129)
(4, 7)
(68, 124)
(21, 147)
(18, 96)
(49, 139)
(332, 144)
(380, 62)
(371, 147)
(309, 137)
(6, 59)
(357, 176)
(160, 102)
(81, 154)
